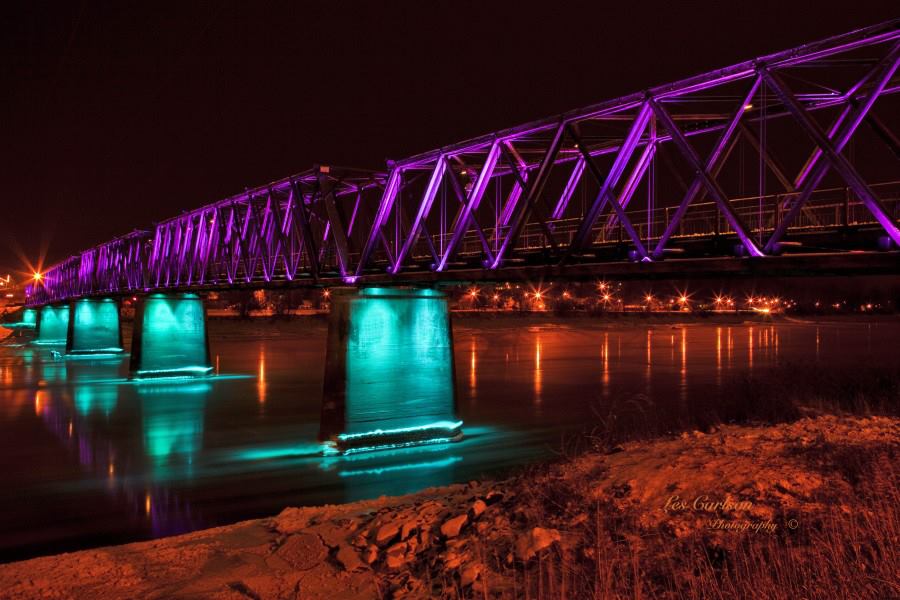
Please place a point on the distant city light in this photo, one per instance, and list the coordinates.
(37, 276)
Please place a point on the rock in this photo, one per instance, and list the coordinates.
(360, 541)
(396, 555)
(408, 528)
(424, 539)
(493, 497)
(349, 559)
(534, 541)
(478, 507)
(578, 519)
(452, 527)
(303, 551)
(386, 533)
(469, 574)
(413, 544)
(292, 520)
(452, 560)
(371, 554)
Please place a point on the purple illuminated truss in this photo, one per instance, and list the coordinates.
(634, 178)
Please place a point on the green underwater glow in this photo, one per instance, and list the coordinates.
(428, 465)
(95, 327)
(173, 338)
(93, 398)
(172, 421)
(54, 325)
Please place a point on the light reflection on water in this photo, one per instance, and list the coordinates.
(104, 460)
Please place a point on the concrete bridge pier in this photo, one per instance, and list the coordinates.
(52, 324)
(389, 371)
(94, 327)
(170, 337)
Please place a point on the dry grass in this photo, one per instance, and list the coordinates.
(851, 550)
(848, 549)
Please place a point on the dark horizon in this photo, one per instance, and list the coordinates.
(116, 118)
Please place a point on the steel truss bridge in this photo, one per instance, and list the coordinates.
(786, 159)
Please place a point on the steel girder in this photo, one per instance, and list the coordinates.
(520, 196)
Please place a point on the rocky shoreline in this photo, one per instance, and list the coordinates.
(483, 539)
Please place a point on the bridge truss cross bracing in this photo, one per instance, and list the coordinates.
(790, 152)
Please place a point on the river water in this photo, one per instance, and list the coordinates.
(89, 458)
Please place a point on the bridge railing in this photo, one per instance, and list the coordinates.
(827, 209)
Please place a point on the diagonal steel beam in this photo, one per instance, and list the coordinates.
(434, 183)
(832, 151)
(716, 159)
(773, 164)
(388, 196)
(706, 179)
(631, 184)
(571, 184)
(516, 192)
(522, 210)
(608, 183)
(884, 133)
(335, 219)
(548, 233)
(474, 199)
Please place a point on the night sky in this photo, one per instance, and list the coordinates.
(115, 115)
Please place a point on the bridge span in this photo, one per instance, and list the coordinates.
(784, 164)
(787, 153)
